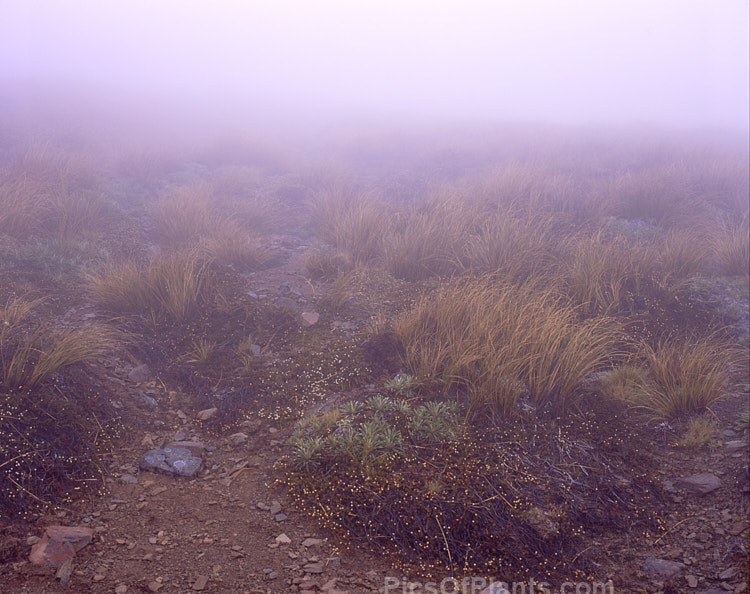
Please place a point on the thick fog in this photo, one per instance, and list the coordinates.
(666, 62)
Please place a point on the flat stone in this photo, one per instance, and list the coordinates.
(237, 438)
(128, 479)
(283, 539)
(139, 373)
(206, 413)
(692, 581)
(280, 517)
(313, 568)
(275, 508)
(179, 461)
(59, 544)
(312, 542)
(735, 445)
(699, 484)
(662, 568)
(196, 447)
(200, 583)
(309, 318)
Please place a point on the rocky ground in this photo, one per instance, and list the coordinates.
(228, 527)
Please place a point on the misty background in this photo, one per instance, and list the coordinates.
(674, 63)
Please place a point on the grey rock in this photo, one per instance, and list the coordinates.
(699, 484)
(196, 447)
(140, 373)
(275, 508)
(206, 413)
(313, 568)
(312, 542)
(129, 479)
(310, 318)
(280, 517)
(735, 445)
(237, 438)
(662, 568)
(287, 304)
(146, 401)
(179, 461)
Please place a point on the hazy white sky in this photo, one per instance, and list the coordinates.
(683, 62)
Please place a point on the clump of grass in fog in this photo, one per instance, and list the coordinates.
(732, 248)
(500, 342)
(31, 353)
(510, 248)
(598, 271)
(685, 376)
(174, 284)
(429, 241)
(50, 192)
(351, 221)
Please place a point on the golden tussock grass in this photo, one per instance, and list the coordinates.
(731, 246)
(51, 192)
(429, 240)
(598, 270)
(32, 352)
(351, 221)
(685, 375)
(174, 284)
(500, 342)
(510, 248)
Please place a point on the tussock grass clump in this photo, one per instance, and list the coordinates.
(699, 432)
(49, 192)
(31, 353)
(601, 272)
(685, 376)
(513, 249)
(429, 241)
(351, 221)
(237, 248)
(186, 215)
(322, 261)
(732, 248)
(174, 285)
(499, 342)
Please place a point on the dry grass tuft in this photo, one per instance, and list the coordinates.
(501, 342)
(351, 221)
(732, 248)
(174, 285)
(699, 432)
(685, 376)
(31, 353)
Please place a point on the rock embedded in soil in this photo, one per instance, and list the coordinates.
(206, 413)
(139, 374)
(662, 568)
(237, 438)
(735, 445)
(196, 447)
(178, 460)
(700, 484)
(309, 318)
(200, 583)
(59, 544)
